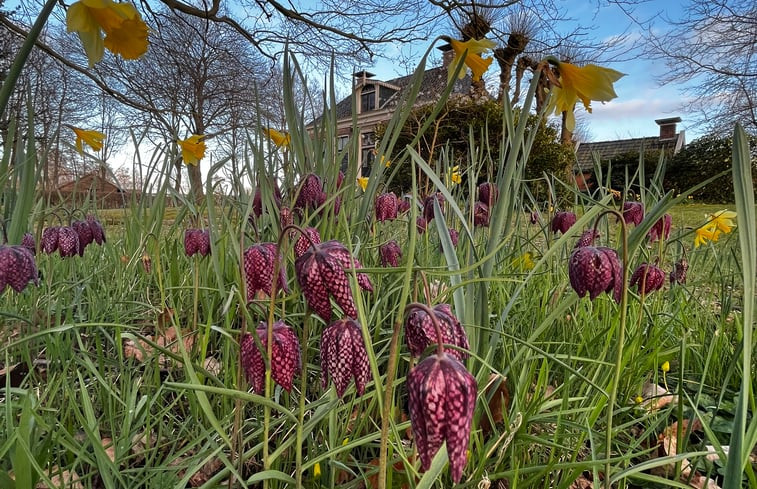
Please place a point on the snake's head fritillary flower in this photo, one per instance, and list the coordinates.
(310, 236)
(441, 400)
(595, 270)
(344, 357)
(320, 273)
(286, 218)
(49, 239)
(93, 139)
(473, 59)
(420, 332)
(390, 254)
(125, 32)
(633, 212)
(587, 238)
(678, 274)
(563, 221)
(587, 83)
(534, 218)
(17, 268)
(421, 224)
(403, 205)
(661, 229)
(259, 264)
(386, 208)
(311, 194)
(647, 278)
(480, 214)
(98, 232)
(488, 193)
(428, 205)
(257, 200)
(285, 356)
(68, 241)
(197, 241)
(454, 236)
(28, 242)
(192, 149)
(86, 236)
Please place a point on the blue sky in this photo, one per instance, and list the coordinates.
(640, 100)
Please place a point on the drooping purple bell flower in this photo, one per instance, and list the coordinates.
(595, 270)
(661, 228)
(28, 242)
(85, 235)
(534, 217)
(68, 241)
(480, 214)
(563, 221)
(441, 400)
(421, 224)
(258, 262)
(310, 235)
(633, 212)
(647, 278)
(587, 238)
(420, 332)
(98, 231)
(257, 200)
(390, 254)
(678, 274)
(403, 205)
(321, 273)
(488, 193)
(386, 207)
(344, 357)
(197, 241)
(454, 236)
(311, 194)
(428, 205)
(286, 218)
(285, 356)
(50, 239)
(17, 267)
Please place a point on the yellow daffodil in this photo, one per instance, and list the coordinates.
(317, 471)
(524, 261)
(386, 161)
(473, 59)
(722, 221)
(665, 367)
(279, 138)
(94, 139)
(638, 399)
(590, 82)
(704, 234)
(192, 149)
(125, 32)
(363, 182)
(453, 176)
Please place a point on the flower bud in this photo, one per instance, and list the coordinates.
(647, 278)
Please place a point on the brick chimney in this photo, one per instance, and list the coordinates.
(668, 127)
(447, 54)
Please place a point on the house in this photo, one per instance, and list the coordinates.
(94, 186)
(669, 141)
(376, 100)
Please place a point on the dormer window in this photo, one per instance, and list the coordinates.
(368, 98)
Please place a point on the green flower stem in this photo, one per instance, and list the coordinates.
(18, 64)
(621, 341)
(301, 413)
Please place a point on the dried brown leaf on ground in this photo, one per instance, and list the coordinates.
(582, 483)
(668, 446)
(110, 448)
(142, 350)
(67, 478)
(499, 402)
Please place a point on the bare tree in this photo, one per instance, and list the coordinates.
(712, 53)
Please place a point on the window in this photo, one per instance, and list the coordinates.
(367, 152)
(368, 98)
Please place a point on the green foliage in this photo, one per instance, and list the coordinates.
(464, 124)
(703, 158)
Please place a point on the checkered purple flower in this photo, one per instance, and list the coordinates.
(197, 241)
(441, 400)
(98, 232)
(344, 357)
(28, 242)
(285, 356)
(661, 228)
(386, 207)
(647, 278)
(421, 224)
(86, 236)
(428, 205)
(678, 274)
(480, 214)
(17, 267)
(258, 263)
(595, 270)
(310, 235)
(488, 193)
(390, 254)
(257, 200)
(587, 238)
(68, 241)
(311, 194)
(563, 221)
(633, 212)
(420, 332)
